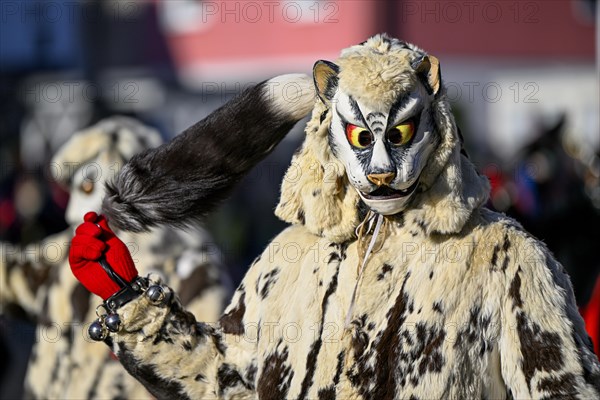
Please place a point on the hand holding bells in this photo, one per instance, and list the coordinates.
(103, 264)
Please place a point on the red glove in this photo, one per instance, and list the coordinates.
(89, 244)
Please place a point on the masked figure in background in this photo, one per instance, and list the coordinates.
(392, 282)
(64, 362)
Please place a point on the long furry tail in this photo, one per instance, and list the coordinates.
(179, 182)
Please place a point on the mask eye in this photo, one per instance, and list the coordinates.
(87, 186)
(358, 137)
(401, 134)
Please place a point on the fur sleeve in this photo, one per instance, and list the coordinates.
(174, 356)
(544, 348)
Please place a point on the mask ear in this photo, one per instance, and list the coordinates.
(325, 75)
(428, 71)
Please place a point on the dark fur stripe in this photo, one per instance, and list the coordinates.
(80, 298)
(274, 381)
(196, 284)
(311, 360)
(228, 378)
(182, 180)
(328, 393)
(233, 321)
(159, 387)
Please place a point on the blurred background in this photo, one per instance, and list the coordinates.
(522, 77)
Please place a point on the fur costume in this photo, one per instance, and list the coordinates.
(389, 284)
(64, 362)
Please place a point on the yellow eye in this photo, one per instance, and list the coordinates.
(401, 134)
(86, 186)
(358, 137)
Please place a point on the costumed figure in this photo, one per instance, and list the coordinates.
(65, 363)
(392, 280)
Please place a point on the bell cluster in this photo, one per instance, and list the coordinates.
(108, 321)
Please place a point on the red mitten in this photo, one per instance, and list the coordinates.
(89, 244)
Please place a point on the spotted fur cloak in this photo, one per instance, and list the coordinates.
(457, 301)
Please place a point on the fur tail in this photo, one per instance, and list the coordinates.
(180, 181)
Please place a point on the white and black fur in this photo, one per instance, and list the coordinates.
(493, 318)
(181, 181)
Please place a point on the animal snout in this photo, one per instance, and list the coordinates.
(382, 179)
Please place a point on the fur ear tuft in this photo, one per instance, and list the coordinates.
(315, 191)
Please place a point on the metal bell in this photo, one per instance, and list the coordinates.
(113, 322)
(97, 332)
(156, 294)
